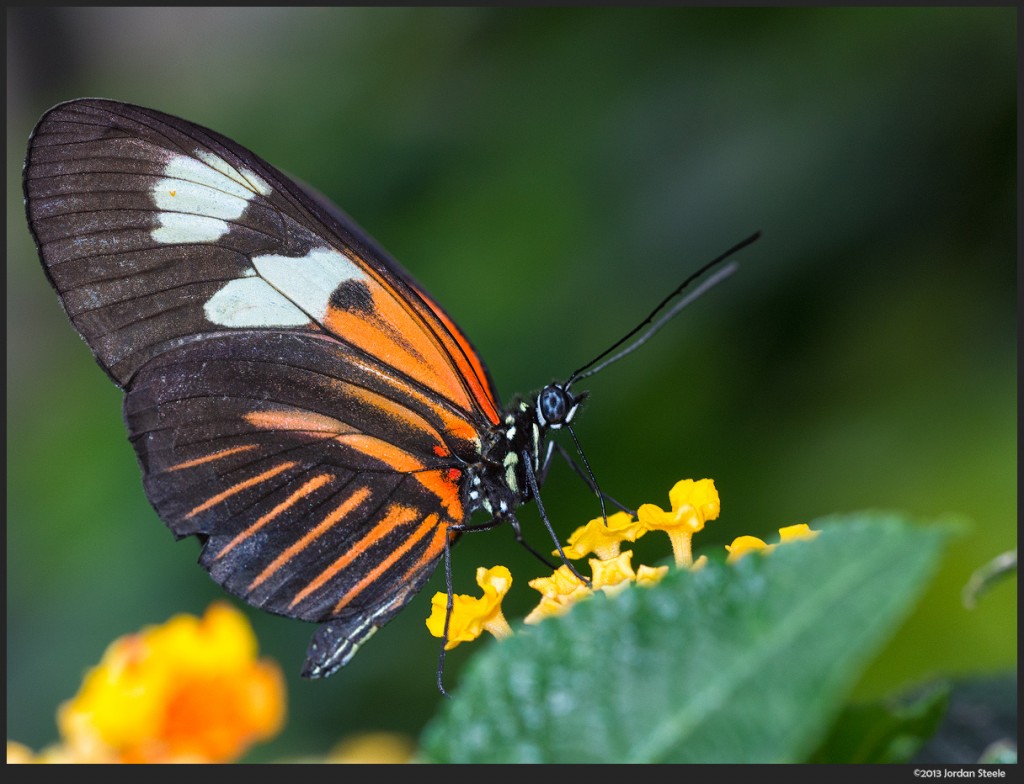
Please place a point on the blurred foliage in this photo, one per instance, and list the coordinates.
(549, 175)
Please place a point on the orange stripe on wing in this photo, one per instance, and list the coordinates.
(395, 516)
(396, 554)
(308, 487)
(235, 489)
(379, 449)
(396, 412)
(296, 419)
(211, 457)
(433, 551)
(442, 482)
(338, 513)
(453, 422)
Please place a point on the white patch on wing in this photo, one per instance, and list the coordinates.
(252, 302)
(247, 178)
(308, 280)
(197, 198)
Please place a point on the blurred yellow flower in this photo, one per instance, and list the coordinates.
(472, 616)
(189, 690)
(369, 748)
(742, 545)
(693, 504)
(793, 532)
(649, 575)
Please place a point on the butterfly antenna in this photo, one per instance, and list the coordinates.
(599, 362)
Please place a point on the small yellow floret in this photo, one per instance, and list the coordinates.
(791, 533)
(746, 544)
(558, 592)
(600, 539)
(742, 545)
(613, 575)
(693, 504)
(471, 616)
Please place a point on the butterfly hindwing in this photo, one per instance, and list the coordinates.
(295, 399)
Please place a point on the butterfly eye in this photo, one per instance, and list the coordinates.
(554, 406)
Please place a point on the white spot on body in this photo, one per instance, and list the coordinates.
(510, 462)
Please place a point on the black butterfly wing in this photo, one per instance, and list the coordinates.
(295, 400)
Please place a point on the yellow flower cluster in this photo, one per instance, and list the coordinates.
(692, 504)
(189, 690)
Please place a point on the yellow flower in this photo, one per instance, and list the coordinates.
(600, 539)
(558, 593)
(472, 616)
(190, 690)
(693, 504)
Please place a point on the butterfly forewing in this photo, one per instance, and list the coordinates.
(296, 400)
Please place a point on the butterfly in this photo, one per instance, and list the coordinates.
(296, 400)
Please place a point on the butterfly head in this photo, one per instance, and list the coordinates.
(556, 405)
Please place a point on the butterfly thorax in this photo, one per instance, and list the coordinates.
(500, 482)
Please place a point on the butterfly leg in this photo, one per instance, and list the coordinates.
(447, 612)
(535, 491)
(516, 528)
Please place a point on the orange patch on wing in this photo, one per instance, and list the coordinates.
(395, 516)
(211, 457)
(338, 513)
(308, 487)
(468, 362)
(443, 484)
(405, 344)
(423, 529)
(237, 488)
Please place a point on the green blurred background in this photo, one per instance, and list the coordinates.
(549, 175)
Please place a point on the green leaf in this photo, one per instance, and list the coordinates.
(884, 732)
(747, 662)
